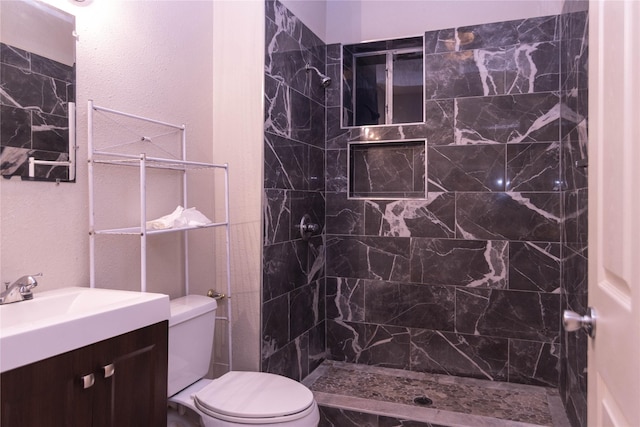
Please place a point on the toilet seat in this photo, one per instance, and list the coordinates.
(254, 398)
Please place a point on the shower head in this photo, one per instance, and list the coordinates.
(324, 80)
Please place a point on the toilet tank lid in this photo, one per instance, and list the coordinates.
(190, 306)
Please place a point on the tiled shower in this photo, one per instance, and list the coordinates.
(469, 281)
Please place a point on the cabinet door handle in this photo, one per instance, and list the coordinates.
(87, 380)
(108, 370)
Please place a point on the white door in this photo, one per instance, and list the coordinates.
(614, 212)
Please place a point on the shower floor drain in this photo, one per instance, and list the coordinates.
(423, 401)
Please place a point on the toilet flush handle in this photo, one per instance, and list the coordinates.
(216, 295)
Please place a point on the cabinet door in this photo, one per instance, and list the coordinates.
(131, 384)
(48, 393)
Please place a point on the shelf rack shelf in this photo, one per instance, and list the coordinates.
(143, 162)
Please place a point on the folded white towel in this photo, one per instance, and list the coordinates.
(179, 218)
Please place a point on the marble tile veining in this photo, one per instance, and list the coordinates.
(479, 401)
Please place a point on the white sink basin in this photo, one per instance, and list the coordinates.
(61, 320)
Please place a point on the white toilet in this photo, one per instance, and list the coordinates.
(236, 398)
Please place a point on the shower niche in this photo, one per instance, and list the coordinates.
(387, 170)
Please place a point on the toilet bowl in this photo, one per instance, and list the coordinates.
(237, 397)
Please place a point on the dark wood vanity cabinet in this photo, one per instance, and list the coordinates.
(129, 385)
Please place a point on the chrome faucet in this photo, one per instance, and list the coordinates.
(19, 290)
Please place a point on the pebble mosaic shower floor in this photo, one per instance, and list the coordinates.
(360, 395)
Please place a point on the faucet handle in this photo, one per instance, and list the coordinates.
(31, 282)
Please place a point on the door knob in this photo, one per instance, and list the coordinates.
(572, 321)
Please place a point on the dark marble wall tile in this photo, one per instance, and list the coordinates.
(466, 168)
(439, 41)
(386, 346)
(440, 120)
(306, 308)
(457, 74)
(576, 220)
(285, 268)
(378, 258)
(432, 217)
(471, 263)
(285, 163)
(343, 215)
(535, 363)
(293, 285)
(535, 266)
(316, 258)
(289, 46)
(488, 35)
(510, 216)
(378, 345)
(276, 216)
(317, 346)
(336, 171)
(520, 315)
(345, 299)
(414, 306)
(459, 354)
(544, 28)
(533, 167)
(533, 67)
(275, 325)
(290, 361)
(574, 149)
(345, 340)
(574, 276)
(508, 118)
(306, 119)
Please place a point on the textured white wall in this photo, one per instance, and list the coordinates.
(148, 58)
(238, 70)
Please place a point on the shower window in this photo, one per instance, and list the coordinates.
(383, 83)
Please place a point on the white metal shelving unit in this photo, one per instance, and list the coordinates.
(144, 163)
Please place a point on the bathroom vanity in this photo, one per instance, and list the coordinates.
(121, 381)
(84, 357)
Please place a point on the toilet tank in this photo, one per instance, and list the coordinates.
(191, 328)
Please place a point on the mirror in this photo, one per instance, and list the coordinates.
(383, 82)
(37, 91)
